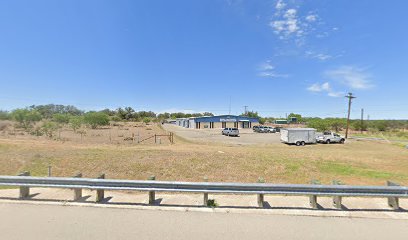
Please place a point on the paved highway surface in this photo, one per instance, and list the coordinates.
(28, 221)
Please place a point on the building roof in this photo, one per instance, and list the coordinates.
(217, 118)
(300, 129)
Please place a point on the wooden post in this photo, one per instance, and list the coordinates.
(393, 202)
(205, 198)
(100, 193)
(155, 138)
(260, 198)
(77, 191)
(49, 171)
(24, 191)
(313, 198)
(337, 199)
(152, 194)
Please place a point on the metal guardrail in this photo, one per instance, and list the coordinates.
(392, 191)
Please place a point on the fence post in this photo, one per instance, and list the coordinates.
(337, 199)
(155, 138)
(393, 202)
(100, 193)
(49, 171)
(24, 191)
(77, 191)
(205, 198)
(313, 198)
(152, 194)
(260, 198)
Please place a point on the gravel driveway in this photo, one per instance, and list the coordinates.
(247, 136)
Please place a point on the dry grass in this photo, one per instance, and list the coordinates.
(357, 162)
(118, 133)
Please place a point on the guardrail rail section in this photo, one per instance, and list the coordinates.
(392, 191)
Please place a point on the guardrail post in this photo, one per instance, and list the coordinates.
(77, 191)
(205, 199)
(393, 201)
(100, 193)
(337, 199)
(152, 194)
(313, 198)
(24, 191)
(260, 197)
(49, 171)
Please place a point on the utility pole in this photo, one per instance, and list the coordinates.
(362, 120)
(350, 97)
(246, 110)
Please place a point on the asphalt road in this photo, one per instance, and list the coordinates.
(27, 221)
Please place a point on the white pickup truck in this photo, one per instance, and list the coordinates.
(329, 137)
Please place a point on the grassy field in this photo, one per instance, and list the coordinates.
(356, 162)
(392, 136)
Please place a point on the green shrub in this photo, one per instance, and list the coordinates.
(48, 128)
(26, 118)
(212, 203)
(61, 118)
(96, 119)
(76, 122)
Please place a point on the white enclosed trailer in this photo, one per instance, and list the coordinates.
(298, 136)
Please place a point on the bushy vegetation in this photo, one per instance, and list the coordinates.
(4, 115)
(338, 124)
(96, 119)
(26, 117)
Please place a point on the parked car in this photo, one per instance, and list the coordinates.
(271, 130)
(298, 136)
(255, 128)
(330, 137)
(230, 132)
(277, 129)
(263, 129)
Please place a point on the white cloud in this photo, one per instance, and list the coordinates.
(323, 57)
(266, 66)
(272, 75)
(352, 77)
(267, 69)
(290, 13)
(288, 24)
(311, 18)
(319, 87)
(280, 5)
(335, 94)
(324, 87)
(320, 56)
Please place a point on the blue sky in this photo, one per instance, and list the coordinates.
(275, 56)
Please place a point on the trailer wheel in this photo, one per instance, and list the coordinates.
(302, 143)
(298, 143)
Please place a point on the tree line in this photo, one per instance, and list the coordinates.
(55, 116)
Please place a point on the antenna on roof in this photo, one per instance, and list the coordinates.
(246, 110)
